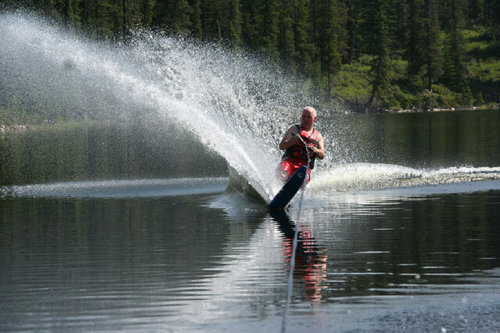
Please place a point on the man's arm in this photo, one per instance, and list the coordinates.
(289, 139)
(320, 152)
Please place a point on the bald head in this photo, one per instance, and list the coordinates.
(308, 118)
(310, 109)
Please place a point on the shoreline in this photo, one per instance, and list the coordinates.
(21, 128)
(24, 127)
(470, 108)
(14, 128)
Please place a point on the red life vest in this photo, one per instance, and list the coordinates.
(299, 152)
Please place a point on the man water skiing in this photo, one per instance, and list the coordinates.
(296, 153)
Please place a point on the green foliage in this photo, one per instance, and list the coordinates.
(485, 70)
(352, 83)
(10, 117)
(421, 52)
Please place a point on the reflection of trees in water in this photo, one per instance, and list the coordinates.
(104, 151)
(310, 260)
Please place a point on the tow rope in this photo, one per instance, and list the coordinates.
(289, 288)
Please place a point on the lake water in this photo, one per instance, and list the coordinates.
(136, 225)
(129, 229)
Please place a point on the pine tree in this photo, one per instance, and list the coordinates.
(236, 22)
(376, 15)
(476, 11)
(269, 28)
(180, 16)
(305, 48)
(197, 27)
(352, 27)
(331, 38)
(125, 20)
(433, 45)
(492, 18)
(455, 48)
(251, 19)
(160, 14)
(415, 44)
(287, 35)
(423, 48)
(146, 12)
(173, 15)
(211, 17)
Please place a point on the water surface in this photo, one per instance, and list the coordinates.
(149, 218)
(106, 251)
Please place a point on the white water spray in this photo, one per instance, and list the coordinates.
(233, 103)
(230, 101)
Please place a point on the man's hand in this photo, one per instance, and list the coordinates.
(313, 148)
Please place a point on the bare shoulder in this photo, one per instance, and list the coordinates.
(320, 136)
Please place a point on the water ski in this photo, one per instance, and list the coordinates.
(288, 190)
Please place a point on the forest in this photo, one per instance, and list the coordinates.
(370, 55)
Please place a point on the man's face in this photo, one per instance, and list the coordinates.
(308, 119)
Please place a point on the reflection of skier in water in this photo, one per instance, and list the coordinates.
(310, 262)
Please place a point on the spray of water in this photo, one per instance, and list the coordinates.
(234, 103)
(230, 101)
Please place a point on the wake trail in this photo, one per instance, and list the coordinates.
(376, 176)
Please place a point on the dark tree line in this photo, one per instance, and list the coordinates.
(312, 38)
